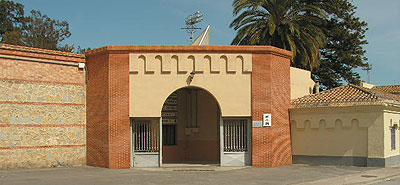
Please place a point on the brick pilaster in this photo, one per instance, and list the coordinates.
(271, 146)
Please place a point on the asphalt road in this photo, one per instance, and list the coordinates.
(293, 174)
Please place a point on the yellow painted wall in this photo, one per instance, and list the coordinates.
(301, 83)
(153, 77)
(346, 131)
(395, 117)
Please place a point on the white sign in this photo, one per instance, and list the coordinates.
(267, 120)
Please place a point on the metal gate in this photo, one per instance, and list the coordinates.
(235, 141)
(235, 135)
(145, 143)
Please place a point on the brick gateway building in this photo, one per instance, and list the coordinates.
(150, 105)
(133, 106)
(136, 106)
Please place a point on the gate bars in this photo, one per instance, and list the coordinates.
(146, 136)
(235, 135)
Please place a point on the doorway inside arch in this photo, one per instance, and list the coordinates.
(190, 128)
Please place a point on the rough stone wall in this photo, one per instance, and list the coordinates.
(42, 108)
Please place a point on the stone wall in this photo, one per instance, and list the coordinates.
(42, 108)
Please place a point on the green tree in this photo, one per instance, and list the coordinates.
(11, 17)
(36, 30)
(344, 50)
(40, 31)
(338, 34)
(82, 50)
(286, 24)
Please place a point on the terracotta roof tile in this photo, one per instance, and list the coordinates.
(349, 95)
(393, 89)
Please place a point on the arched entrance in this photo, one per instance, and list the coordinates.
(190, 127)
(191, 130)
(132, 82)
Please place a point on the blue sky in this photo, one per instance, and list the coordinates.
(97, 23)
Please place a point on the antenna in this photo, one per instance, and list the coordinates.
(367, 68)
(191, 22)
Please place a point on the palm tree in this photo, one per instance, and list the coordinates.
(287, 24)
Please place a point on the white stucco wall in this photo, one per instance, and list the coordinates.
(394, 117)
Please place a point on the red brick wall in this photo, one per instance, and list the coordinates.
(97, 131)
(119, 125)
(108, 126)
(22, 51)
(271, 146)
(20, 70)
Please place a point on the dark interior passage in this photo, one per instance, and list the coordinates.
(190, 127)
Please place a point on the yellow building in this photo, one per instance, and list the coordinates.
(348, 125)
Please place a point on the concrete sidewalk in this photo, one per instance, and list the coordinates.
(293, 174)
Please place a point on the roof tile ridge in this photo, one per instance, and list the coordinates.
(380, 95)
(386, 95)
(365, 90)
(378, 86)
(318, 94)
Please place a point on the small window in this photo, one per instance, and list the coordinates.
(169, 135)
(235, 135)
(146, 135)
(393, 135)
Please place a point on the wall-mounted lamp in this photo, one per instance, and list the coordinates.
(81, 65)
(190, 78)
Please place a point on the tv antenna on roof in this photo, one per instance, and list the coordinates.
(191, 22)
(367, 68)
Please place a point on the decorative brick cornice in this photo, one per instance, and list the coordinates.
(191, 49)
(23, 51)
(42, 125)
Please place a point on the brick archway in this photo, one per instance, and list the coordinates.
(110, 102)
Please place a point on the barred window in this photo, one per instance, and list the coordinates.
(393, 138)
(235, 135)
(393, 135)
(146, 136)
(169, 135)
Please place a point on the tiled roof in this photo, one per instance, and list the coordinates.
(394, 89)
(349, 95)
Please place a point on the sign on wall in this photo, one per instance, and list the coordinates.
(267, 120)
(169, 111)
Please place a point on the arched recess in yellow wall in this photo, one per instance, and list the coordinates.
(192, 87)
(224, 76)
